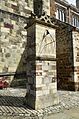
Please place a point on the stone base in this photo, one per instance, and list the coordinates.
(46, 101)
(42, 101)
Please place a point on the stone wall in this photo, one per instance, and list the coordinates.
(42, 83)
(65, 64)
(13, 37)
(46, 6)
(22, 7)
(40, 6)
(12, 44)
(52, 8)
(76, 58)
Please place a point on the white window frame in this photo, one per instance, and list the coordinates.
(60, 14)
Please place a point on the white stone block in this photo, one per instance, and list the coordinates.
(39, 93)
(24, 33)
(46, 92)
(12, 2)
(53, 85)
(10, 10)
(13, 22)
(7, 30)
(38, 80)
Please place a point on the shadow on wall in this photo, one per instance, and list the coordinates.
(20, 77)
(26, 67)
(38, 7)
(26, 70)
(65, 62)
(31, 65)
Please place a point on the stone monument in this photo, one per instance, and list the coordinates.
(41, 63)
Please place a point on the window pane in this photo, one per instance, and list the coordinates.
(57, 14)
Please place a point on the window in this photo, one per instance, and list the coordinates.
(57, 14)
(75, 21)
(60, 14)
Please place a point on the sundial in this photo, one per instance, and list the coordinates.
(46, 46)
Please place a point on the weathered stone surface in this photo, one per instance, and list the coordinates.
(67, 39)
(22, 7)
(41, 85)
(12, 38)
(65, 64)
(12, 105)
(76, 58)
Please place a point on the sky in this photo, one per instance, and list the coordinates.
(71, 1)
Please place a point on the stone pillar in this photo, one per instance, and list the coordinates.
(46, 6)
(75, 35)
(38, 7)
(52, 8)
(68, 15)
(41, 6)
(41, 65)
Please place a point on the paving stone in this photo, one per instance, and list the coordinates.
(17, 109)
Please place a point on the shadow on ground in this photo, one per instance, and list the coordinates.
(12, 101)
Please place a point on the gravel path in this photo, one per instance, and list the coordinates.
(11, 104)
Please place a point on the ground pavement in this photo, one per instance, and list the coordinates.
(12, 106)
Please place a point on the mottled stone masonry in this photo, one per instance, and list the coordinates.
(52, 8)
(41, 52)
(76, 58)
(22, 7)
(40, 6)
(65, 65)
(12, 44)
(13, 37)
(67, 43)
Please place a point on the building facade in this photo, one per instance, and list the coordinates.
(65, 12)
(14, 15)
(67, 18)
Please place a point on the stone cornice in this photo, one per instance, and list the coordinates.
(64, 25)
(44, 20)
